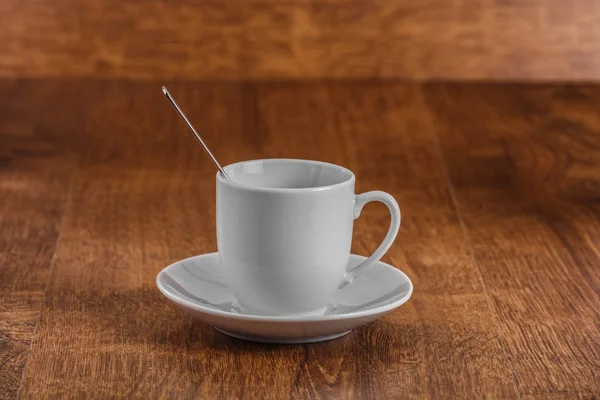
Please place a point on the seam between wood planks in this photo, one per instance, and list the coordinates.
(465, 232)
(68, 203)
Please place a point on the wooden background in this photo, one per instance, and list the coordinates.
(299, 39)
(101, 187)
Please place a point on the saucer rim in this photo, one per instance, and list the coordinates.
(281, 318)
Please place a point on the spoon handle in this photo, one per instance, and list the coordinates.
(189, 125)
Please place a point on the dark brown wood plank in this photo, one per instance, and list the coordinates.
(145, 198)
(525, 163)
(155, 39)
(35, 179)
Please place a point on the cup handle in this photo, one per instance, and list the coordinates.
(359, 202)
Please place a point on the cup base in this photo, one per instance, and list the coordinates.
(314, 313)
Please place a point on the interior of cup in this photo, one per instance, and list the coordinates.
(287, 174)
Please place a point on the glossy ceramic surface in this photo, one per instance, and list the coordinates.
(284, 230)
(197, 285)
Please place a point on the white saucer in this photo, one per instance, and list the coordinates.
(197, 286)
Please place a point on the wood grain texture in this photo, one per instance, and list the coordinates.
(525, 164)
(499, 236)
(144, 197)
(230, 40)
(35, 178)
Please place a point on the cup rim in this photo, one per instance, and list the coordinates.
(351, 178)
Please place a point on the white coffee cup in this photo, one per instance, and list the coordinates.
(284, 231)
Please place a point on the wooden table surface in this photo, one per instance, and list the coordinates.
(101, 187)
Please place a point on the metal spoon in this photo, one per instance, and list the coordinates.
(189, 125)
